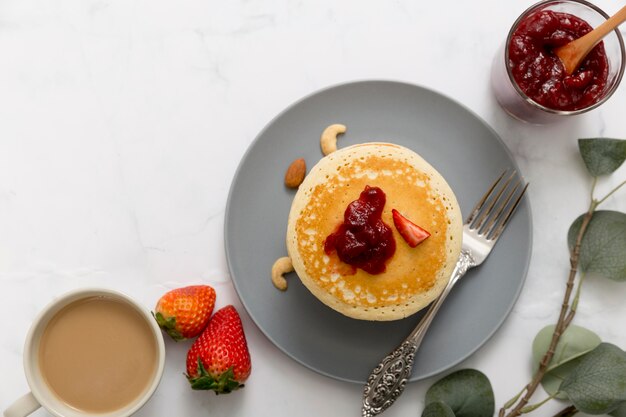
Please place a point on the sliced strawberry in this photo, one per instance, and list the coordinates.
(412, 233)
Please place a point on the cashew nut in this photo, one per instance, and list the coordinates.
(329, 138)
(281, 267)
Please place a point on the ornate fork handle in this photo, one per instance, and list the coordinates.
(388, 379)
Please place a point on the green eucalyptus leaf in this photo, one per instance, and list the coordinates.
(620, 411)
(573, 344)
(602, 156)
(437, 409)
(467, 392)
(603, 247)
(598, 384)
(551, 382)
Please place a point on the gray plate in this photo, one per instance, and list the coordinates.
(456, 142)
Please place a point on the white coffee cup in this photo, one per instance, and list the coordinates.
(42, 396)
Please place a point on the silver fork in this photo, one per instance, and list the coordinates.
(481, 231)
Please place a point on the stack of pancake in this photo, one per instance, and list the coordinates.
(413, 277)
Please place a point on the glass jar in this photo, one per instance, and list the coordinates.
(519, 105)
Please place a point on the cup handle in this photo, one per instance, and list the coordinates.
(23, 406)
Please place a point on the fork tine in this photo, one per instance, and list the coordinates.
(495, 218)
(484, 215)
(500, 228)
(484, 198)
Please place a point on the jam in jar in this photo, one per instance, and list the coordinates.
(540, 74)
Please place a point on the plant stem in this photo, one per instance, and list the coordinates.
(533, 407)
(513, 400)
(611, 192)
(565, 317)
(574, 306)
(593, 188)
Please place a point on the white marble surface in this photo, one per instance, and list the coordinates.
(122, 123)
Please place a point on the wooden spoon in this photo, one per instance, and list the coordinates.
(574, 52)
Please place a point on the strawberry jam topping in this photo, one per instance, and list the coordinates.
(363, 240)
(539, 72)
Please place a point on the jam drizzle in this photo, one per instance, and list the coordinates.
(363, 240)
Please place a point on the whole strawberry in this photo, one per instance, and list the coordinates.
(184, 312)
(219, 359)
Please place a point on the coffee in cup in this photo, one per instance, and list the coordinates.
(93, 352)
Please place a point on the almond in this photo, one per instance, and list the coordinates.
(295, 173)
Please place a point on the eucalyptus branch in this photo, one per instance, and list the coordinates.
(565, 317)
(598, 364)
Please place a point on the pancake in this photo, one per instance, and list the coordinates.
(413, 277)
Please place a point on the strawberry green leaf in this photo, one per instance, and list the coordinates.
(602, 156)
(437, 409)
(467, 392)
(603, 247)
(574, 343)
(168, 324)
(598, 384)
(223, 384)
